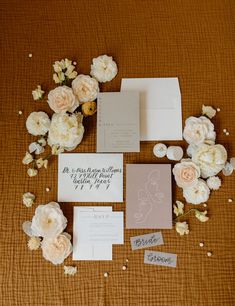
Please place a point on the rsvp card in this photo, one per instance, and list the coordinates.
(88, 177)
(148, 196)
(118, 122)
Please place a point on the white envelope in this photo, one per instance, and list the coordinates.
(84, 251)
(160, 107)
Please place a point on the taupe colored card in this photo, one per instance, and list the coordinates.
(118, 128)
(148, 196)
(160, 258)
(146, 241)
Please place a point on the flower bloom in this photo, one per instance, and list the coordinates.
(27, 159)
(62, 99)
(85, 88)
(56, 249)
(178, 208)
(186, 173)
(214, 182)
(38, 123)
(28, 199)
(34, 243)
(208, 111)
(198, 193)
(103, 68)
(182, 228)
(48, 221)
(38, 93)
(70, 270)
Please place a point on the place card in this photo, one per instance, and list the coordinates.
(146, 241)
(118, 128)
(148, 196)
(160, 258)
(88, 177)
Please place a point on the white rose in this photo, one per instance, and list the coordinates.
(197, 194)
(66, 131)
(208, 111)
(199, 130)
(182, 228)
(103, 68)
(186, 173)
(48, 221)
(56, 249)
(210, 159)
(38, 123)
(214, 182)
(62, 99)
(85, 88)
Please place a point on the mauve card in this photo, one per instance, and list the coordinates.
(148, 196)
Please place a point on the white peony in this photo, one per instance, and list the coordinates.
(38, 123)
(28, 199)
(62, 99)
(210, 159)
(66, 131)
(213, 182)
(186, 173)
(103, 68)
(56, 249)
(199, 130)
(209, 111)
(85, 88)
(198, 193)
(182, 228)
(48, 221)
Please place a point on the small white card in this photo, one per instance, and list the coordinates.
(88, 177)
(146, 241)
(160, 259)
(160, 107)
(85, 251)
(101, 227)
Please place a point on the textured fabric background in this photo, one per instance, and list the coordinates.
(191, 39)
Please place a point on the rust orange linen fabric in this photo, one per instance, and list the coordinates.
(191, 39)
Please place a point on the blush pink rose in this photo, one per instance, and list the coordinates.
(62, 99)
(186, 173)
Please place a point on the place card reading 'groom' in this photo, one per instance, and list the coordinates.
(87, 177)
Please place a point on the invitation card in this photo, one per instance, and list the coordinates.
(118, 127)
(148, 196)
(88, 177)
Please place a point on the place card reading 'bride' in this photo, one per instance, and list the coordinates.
(88, 177)
(148, 196)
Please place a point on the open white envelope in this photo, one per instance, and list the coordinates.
(85, 251)
(160, 107)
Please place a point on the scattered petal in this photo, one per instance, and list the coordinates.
(32, 172)
(201, 215)
(27, 159)
(178, 208)
(70, 270)
(182, 228)
(36, 147)
(38, 93)
(208, 111)
(228, 169)
(28, 199)
(34, 243)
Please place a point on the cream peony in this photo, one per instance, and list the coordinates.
(103, 68)
(182, 228)
(48, 221)
(199, 130)
(38, 123)
(62, 99)
(210, 159)
(85, 88)
(66, 131)
(213, 182)
(198, 193)
(34, 243)
(56, 249)
(186, 173)
(209, 111)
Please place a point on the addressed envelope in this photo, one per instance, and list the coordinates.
(160, 107)
(101, 227)
(88, 177)
(85, 251)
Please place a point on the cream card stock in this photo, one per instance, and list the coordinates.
(101, 227)
(86, 251)
(160, 107)
(118, 119)
(89, 177)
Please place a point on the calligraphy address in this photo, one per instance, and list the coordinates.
(91, 178)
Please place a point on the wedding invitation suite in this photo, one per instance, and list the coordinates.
(118, 122)
(148, 196)
(88, 177)
(160, 107)
(89, 251)
(95, 230)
